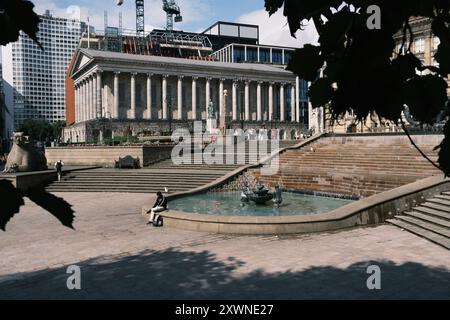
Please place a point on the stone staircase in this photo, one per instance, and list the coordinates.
(359, 166)
(157, 177)
(150, 180)
(430, 220)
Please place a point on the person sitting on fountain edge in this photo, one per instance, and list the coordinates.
(159, 206)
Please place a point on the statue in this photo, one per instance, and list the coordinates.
(211, 112)
(24, 157)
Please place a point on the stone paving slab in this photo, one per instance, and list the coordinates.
(121, 257)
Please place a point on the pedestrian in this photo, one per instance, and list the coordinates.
(58, 166)
(159, 206)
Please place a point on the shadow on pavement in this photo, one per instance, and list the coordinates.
(174, 274)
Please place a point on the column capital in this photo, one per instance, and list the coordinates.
(99, 71)
(149, 75)
(260, 82)
(117, 73)
(223, 79)
(195, 78)
(180, 77)
(208, 78)
(133, 74)
(165, 76)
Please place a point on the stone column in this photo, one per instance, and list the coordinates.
(258, 102)
(99, 94)
(149, 96)
(234, 102)
(164, 96)
(180, 97)
(208, 95)
(221, 100)
(82, 101)
(91, 97)
(86, 107)
(247, 101)
(293, 113)
(194, 98)
(311, 122)
(88, 99)
(76, 103)
(271, 101)
(94, 97)
(133, 96)
(282, 103)
(115, 113)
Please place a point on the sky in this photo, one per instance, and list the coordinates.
(197, 16)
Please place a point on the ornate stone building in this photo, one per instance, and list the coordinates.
(137, 93)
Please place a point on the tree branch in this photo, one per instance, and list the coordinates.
(417, 147)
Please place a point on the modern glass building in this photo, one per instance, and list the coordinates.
(34, 79)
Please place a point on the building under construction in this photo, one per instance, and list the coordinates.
(167, 79)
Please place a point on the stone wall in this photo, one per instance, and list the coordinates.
(106, 156)
(29, 180)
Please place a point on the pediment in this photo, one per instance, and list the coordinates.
(81, 61)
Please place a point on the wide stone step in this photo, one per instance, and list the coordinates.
(168, 173)
(129, 185)
(429, 235)
(426, 225)
(429, 218)
(146, 191)
(157, 177)
(435, 206)
(113, 189)
(443, 197)
(441, 202)
(433, 212)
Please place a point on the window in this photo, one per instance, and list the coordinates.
(264, 55)
(277, 57)
(239, 54)
(252, 54)
(419, 45)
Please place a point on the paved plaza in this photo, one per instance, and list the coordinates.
(121, 257)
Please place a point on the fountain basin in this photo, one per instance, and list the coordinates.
(372, 210)
(229, 204)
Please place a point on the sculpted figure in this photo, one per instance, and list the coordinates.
(24, 157)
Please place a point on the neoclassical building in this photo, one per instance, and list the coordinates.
(153, 93)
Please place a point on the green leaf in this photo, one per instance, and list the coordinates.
(334, 31)
(16, 15)
(442, 56)
(306, 62)
(320, 92)
(406, 65)
(272, 6)
(426, 97)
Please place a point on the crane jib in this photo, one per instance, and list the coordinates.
(169, 6)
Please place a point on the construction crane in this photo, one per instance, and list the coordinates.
(169, 6)
(171, 9)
